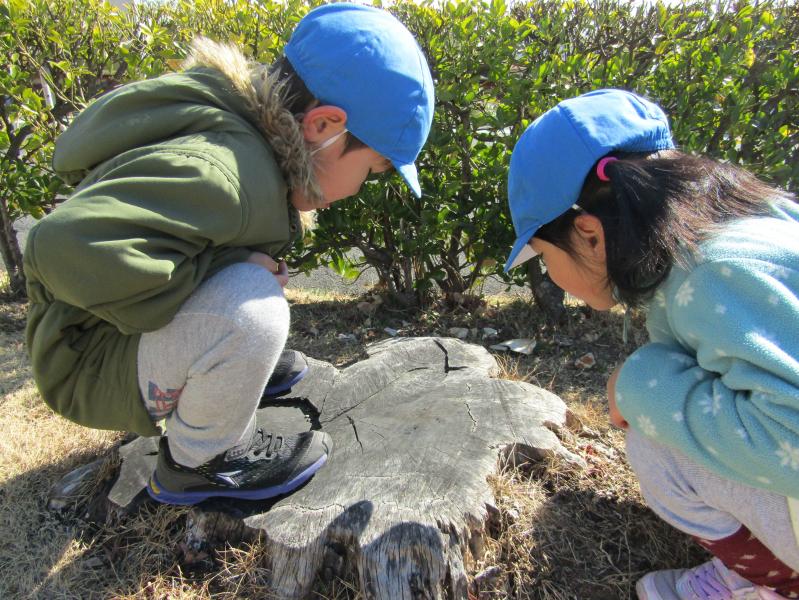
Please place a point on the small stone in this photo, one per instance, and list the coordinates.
(391, 332)
(499, 347)
(67, 490)
(347, 337)
(489, 332)
(459, 332)
(586, 361)
(93, 562)
(520, 345)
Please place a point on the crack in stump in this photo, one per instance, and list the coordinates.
(447, 368)
(471, 416)
(355, 429)
(361, 401)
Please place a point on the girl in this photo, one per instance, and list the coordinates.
(154, 291)
(711, 403)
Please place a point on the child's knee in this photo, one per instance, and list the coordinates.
(250, 296)
(655, 466)
(260, 309)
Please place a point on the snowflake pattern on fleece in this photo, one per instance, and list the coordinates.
(719, 379)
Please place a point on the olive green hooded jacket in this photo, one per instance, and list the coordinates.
(176, 180)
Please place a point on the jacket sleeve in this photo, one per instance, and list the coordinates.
(728, 397)
(131, 247)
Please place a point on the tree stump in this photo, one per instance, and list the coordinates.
(403, 500)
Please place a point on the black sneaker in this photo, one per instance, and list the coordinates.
(290, 368)
(272, 465)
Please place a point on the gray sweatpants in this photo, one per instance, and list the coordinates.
(702, 504)
(206, 370)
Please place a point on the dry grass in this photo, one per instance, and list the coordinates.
(559, 533)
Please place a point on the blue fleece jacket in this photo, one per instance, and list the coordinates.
(719, 379)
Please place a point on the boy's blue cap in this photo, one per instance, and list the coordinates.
(553, 157)
(363, 60)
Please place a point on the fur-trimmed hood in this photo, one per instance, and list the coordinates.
(265, 97)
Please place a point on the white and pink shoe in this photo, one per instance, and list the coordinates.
(709, 581)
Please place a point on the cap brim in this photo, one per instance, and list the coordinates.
(410, 176)
(521, 253)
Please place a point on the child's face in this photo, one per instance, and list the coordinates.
(585, 277)
(342, 175)
(339, 174)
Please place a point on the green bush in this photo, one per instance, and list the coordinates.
(62, 54)
(726, 73)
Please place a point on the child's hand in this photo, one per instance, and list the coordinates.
(281, 271)
(615, 416)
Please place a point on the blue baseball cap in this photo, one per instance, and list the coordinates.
(363, 60)
(553, 157)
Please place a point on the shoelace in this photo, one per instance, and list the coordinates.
(263, 443)
(704, 582)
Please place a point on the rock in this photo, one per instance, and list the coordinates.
(586, 361)
(459, 332)
(489, 332)
(67, 490)
(93, 563)
(347, 337)
(520, 345)
(391, 332)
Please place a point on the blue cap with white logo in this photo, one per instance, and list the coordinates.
(553, 157)
(363, 60)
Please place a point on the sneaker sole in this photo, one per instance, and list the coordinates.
(646, 589)
(641, 589)
(158, 493)
(285, 386)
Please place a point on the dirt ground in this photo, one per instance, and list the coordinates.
(563, 533)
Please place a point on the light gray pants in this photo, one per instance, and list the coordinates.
(206, 370)
(702, 504)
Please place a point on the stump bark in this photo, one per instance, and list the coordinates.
(403, 500)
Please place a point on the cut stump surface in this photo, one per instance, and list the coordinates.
(403, 500)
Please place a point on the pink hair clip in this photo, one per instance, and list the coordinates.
(600, 167)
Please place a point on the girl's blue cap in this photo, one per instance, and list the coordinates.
(553, 157)
(363, 60)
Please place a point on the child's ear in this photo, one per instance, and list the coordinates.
(323, 122)
(589, 229)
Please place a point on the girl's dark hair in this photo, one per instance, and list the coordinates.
(299, 97)
(656, 209)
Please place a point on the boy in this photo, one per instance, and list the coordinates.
(153, 290)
